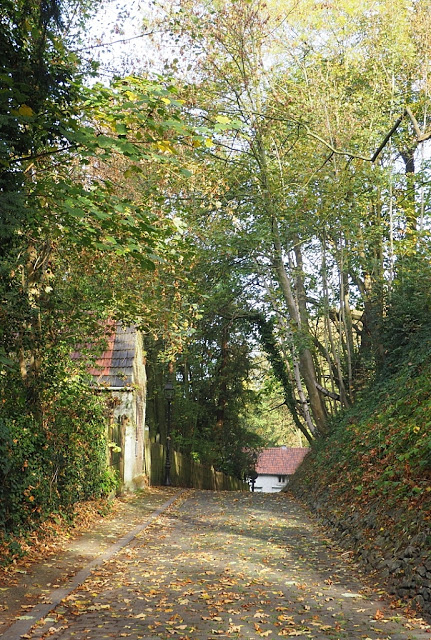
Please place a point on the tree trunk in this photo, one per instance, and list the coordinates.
(301, 334)
(295, 379)
(222, 377)
(408, 157)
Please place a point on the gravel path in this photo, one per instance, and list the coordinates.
(227, 565)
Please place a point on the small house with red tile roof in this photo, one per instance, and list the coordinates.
(120, 370)
(275, 465)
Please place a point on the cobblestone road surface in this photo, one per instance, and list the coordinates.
(227, 565)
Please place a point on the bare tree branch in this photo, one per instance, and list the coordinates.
(420, 136)
(388, 137)
(326, 392)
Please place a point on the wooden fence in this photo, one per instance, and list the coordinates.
(185, 472)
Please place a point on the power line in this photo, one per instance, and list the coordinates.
(109, 44)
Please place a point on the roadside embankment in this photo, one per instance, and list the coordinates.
(369, 481)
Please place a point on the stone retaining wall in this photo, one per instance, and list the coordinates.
(401, 560)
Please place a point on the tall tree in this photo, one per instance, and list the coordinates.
(315, 115)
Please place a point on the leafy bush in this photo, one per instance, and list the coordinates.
(51, 461)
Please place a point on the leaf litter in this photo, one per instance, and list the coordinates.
(243, 566)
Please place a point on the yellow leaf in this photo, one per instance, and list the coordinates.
(25, 110)
(223, 119)
(165, 145)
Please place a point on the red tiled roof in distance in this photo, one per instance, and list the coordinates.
(280, 461)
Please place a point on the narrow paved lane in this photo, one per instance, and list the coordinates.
(227, 565)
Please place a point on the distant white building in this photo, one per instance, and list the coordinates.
(275, 465)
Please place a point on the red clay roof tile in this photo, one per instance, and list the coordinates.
(114, 367)
(280, 460)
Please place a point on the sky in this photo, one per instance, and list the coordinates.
(118, 40)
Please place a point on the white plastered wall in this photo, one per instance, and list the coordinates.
(125, 413)
(269, 484)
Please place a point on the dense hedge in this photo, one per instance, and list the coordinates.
(49, 462)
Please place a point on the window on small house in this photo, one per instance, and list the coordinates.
(282, 478)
